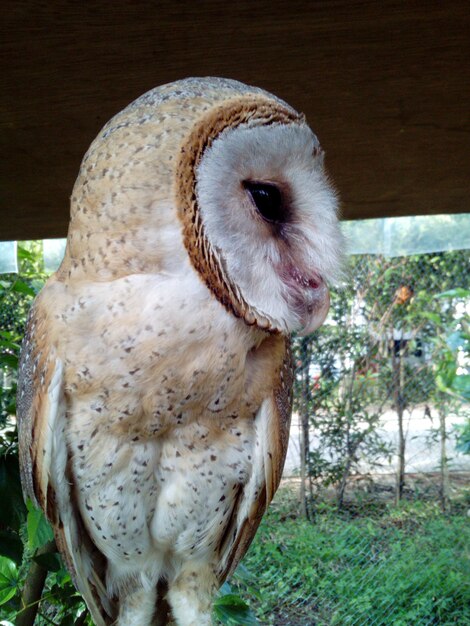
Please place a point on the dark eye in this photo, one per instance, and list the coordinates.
(268, 200)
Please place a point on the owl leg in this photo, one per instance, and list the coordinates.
(190, 595)
(137, 607)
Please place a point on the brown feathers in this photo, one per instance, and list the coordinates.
(251, 110)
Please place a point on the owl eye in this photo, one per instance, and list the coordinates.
(268, 200)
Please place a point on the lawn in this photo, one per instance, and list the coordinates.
(381, 566)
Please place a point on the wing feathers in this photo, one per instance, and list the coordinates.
(272, 435)
(44, 462)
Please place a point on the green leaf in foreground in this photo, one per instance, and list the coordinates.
(458, 292)
(8, 579)
(21, 287)
(10, 360)
(231, 609)
(39, 530)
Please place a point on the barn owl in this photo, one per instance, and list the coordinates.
(155, 379)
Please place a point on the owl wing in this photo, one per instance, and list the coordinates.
(44, 463)
(272, 424)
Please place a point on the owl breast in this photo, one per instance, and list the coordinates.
(161, 427)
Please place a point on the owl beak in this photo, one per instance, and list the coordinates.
(308, 295)
(316, 310)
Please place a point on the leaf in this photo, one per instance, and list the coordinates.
(39, 530)
(11, 410)
(463, 442)
(25, 254)
(456, 340)
(11, 360)
(441, 384)
(458, 292)
(8, 580)
(11, 546)
(461, 385)
(21, 287)
(62, 577)
(9, 345)
(10, 336)
(231, 609)
(433, 317)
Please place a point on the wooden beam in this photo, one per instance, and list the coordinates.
(385, 85)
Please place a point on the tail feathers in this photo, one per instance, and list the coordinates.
(87, 567)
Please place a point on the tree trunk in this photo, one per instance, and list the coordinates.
(351, 448)
(399, 401)
(444, 488)
(303, 462)
(32, 589)
(342, 485)
(305, 428)
(401, 457)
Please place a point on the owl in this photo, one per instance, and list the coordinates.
(155, 379)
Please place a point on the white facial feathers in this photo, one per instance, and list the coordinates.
(272, 263)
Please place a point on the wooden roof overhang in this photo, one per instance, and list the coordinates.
(385, 85)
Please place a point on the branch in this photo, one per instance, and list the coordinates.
(32, 590)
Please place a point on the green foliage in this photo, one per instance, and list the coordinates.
(16, 294)
(38, 529)
(454, 341)
(463, 438)
(392, 341)
(8, 579)
(231, 610)
(406, 566)
(24, 530)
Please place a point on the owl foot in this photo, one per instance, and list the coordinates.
(190, 596)
(137, 608)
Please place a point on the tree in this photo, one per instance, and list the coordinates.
(341, 400)
(25, 566)
(377, 350)
(451, 383)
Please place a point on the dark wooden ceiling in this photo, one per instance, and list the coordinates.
(385, 85)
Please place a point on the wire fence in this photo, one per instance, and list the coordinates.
(390, 569)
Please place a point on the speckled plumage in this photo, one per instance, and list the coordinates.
(155, 379)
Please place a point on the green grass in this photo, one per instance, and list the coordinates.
(407, 566)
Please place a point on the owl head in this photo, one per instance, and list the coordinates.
(222, 177)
